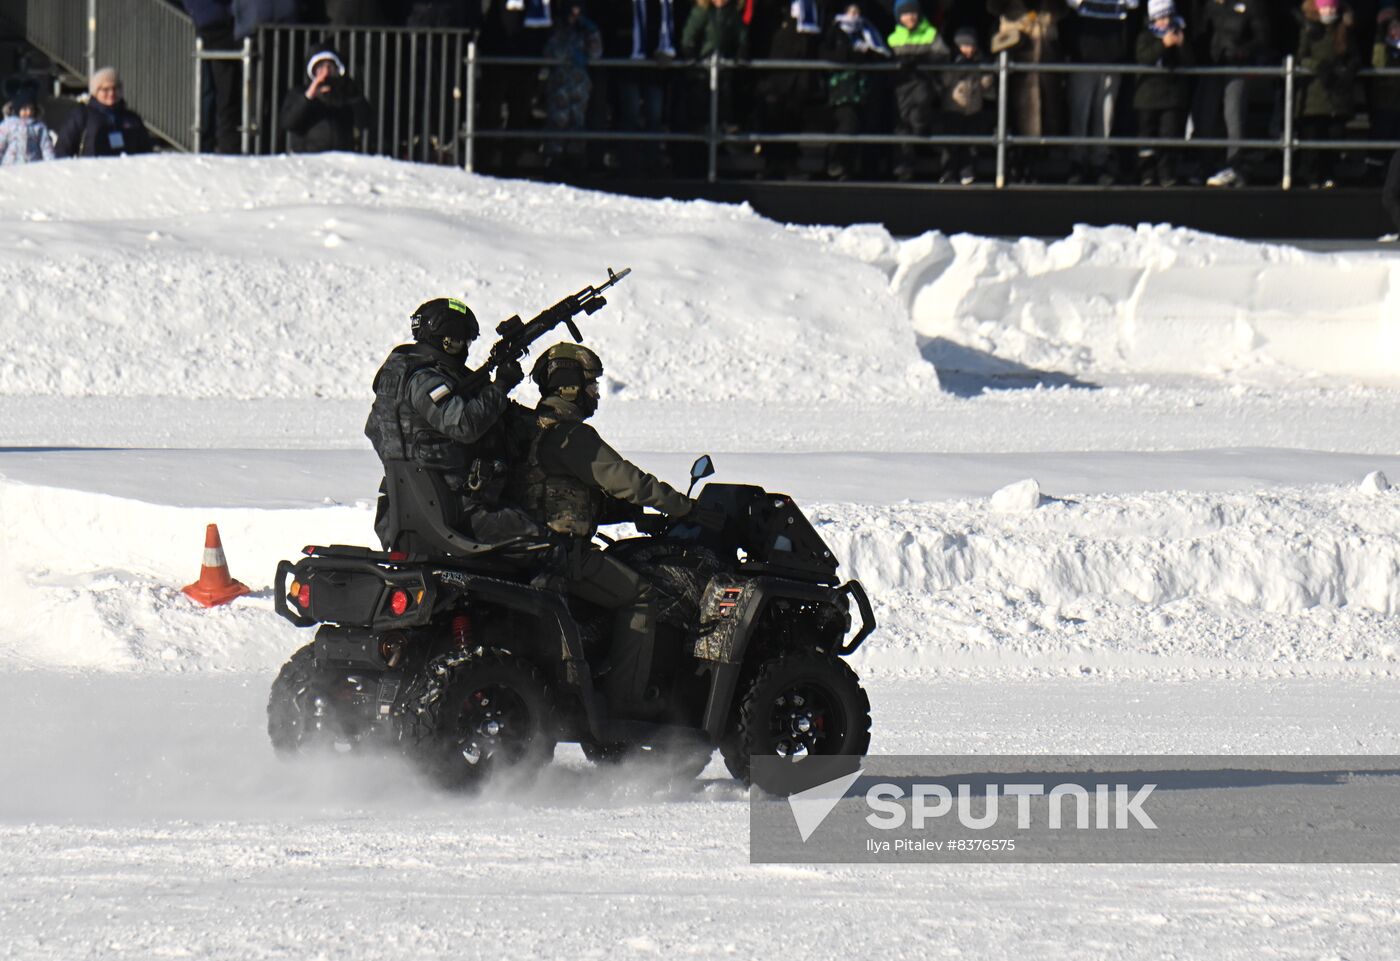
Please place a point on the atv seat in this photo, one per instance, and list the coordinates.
(423, 517)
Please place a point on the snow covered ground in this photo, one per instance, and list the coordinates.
(190, 340)
(178, 835)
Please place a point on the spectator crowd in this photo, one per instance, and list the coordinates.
(959, 40)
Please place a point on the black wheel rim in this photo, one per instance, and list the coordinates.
(493, 726)
(319, 716)
(806, 719)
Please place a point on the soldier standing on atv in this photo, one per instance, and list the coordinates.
(426, 412)
(569, 479)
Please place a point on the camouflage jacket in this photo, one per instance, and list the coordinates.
(571, 480)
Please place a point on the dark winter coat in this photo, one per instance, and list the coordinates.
(446, 13)
(1385, 92)
(967, 92)
(1100, 31)
(355, 13)
(791, 88)
(327, 123)
(1234, 32)
(916, 93)
(92, 130)
(1329, 50)
(852, 88)
(574, 45)
(1162, 91)
(248, 15)
(208, 13)
(710, 28)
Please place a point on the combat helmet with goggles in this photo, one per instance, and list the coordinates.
(445, 319)
(566, 367)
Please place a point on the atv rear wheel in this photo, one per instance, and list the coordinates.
(308, 710)
(480, 715)
(797, 706)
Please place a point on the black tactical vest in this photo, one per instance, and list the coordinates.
(399, 432)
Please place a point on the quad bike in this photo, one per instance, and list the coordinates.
(440, 649)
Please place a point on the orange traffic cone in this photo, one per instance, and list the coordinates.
(214, 586)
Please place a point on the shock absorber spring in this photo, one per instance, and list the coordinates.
(462, 631)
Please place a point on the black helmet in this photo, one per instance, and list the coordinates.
(444, 317)
(565, 365)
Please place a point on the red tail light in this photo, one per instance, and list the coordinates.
(398, 555)
(398, 602)
(304, 596)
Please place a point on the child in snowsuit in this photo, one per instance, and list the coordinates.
(574, 41)
(1162, 101)
(964, 103)
(24, 138)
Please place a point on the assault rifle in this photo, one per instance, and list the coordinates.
(517, 335)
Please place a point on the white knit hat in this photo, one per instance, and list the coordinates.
(1160, 8)
(318, 57)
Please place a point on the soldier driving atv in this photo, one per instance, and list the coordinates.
(566, 477)
(427, 411)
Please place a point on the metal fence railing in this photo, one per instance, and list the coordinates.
(712, 72)
(426, 88)
(57, 27)
(143, 39)
(150, 41)
(415, 81)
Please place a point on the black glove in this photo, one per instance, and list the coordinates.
(508, 376)
(706, 517)
(651, 524)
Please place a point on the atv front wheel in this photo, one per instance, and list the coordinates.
(797, 706)
(479, 715)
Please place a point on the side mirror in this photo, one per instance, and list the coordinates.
(703, 467)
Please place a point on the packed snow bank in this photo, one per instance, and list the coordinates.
(1298, 579)
(292, 278)
(1151, 299)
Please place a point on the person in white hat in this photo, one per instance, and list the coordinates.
(327, 114)
(1161, 100)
